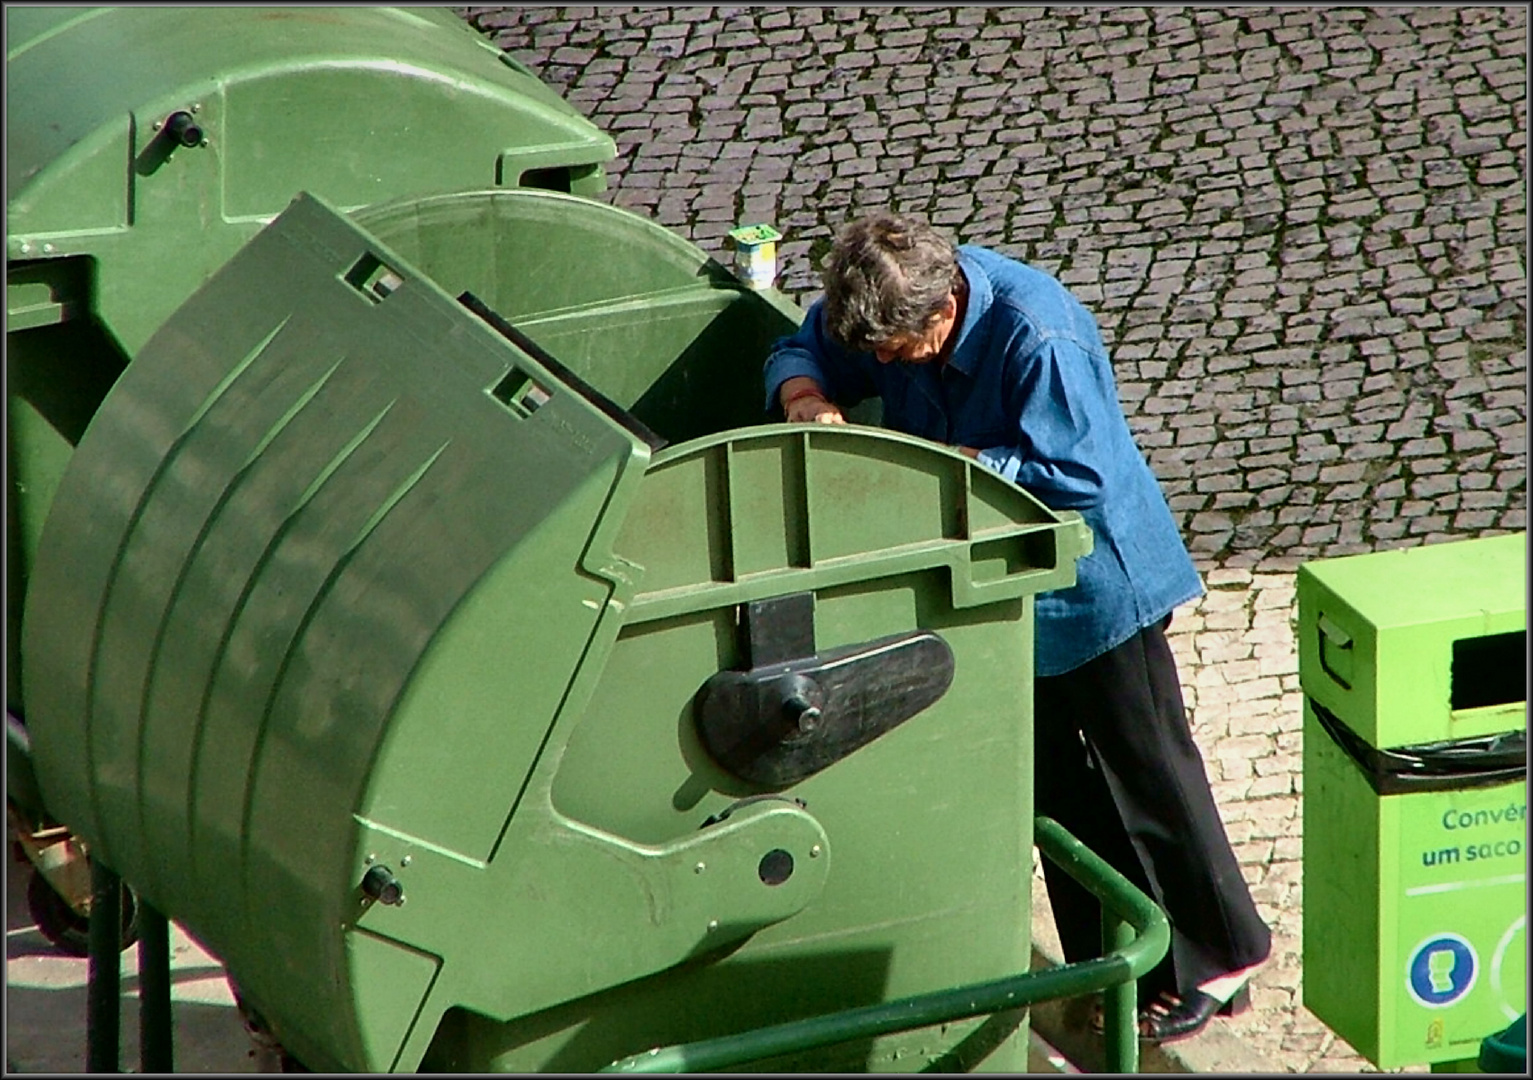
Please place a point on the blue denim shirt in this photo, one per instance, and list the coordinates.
(1029, 385)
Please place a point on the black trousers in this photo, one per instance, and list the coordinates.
(1115, 764)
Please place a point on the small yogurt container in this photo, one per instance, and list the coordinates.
(756, 254)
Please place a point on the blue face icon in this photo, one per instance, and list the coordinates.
(1441, 970)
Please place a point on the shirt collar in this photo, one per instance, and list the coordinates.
(966, 354)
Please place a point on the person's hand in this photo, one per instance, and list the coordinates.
(968, 452)
(814, 410)
(803, 402)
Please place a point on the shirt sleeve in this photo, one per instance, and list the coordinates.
(1062, 426)
(813, 352)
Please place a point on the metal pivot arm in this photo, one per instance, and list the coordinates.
(1120, 968)
(796, 710)
(780, 724)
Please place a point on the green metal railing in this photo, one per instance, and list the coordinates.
(1134, 933)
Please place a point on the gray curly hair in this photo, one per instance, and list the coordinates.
(887, 275)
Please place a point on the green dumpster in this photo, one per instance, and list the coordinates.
(145, 145)
(452, 662)
(1413, 665)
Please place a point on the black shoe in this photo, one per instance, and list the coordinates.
(1169, 1019)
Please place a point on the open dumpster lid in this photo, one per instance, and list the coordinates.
(305, 470)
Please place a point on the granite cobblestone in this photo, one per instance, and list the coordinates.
(1302, 230)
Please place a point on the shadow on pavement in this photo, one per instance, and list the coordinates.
(45, 1002)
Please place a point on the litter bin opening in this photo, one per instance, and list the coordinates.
(1489, 670)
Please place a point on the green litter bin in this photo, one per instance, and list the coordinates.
(458, 660)
(1413, 665)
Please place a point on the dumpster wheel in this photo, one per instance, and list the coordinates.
(65, 927)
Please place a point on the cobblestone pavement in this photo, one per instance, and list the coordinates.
(1302, 229)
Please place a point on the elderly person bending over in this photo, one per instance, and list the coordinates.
(984, 353)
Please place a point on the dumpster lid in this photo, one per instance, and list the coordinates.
(321, 419)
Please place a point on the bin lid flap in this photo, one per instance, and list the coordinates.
(322, 420)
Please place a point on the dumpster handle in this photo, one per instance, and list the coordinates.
(1137, 947)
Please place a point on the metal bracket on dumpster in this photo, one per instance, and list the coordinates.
(796, 711)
